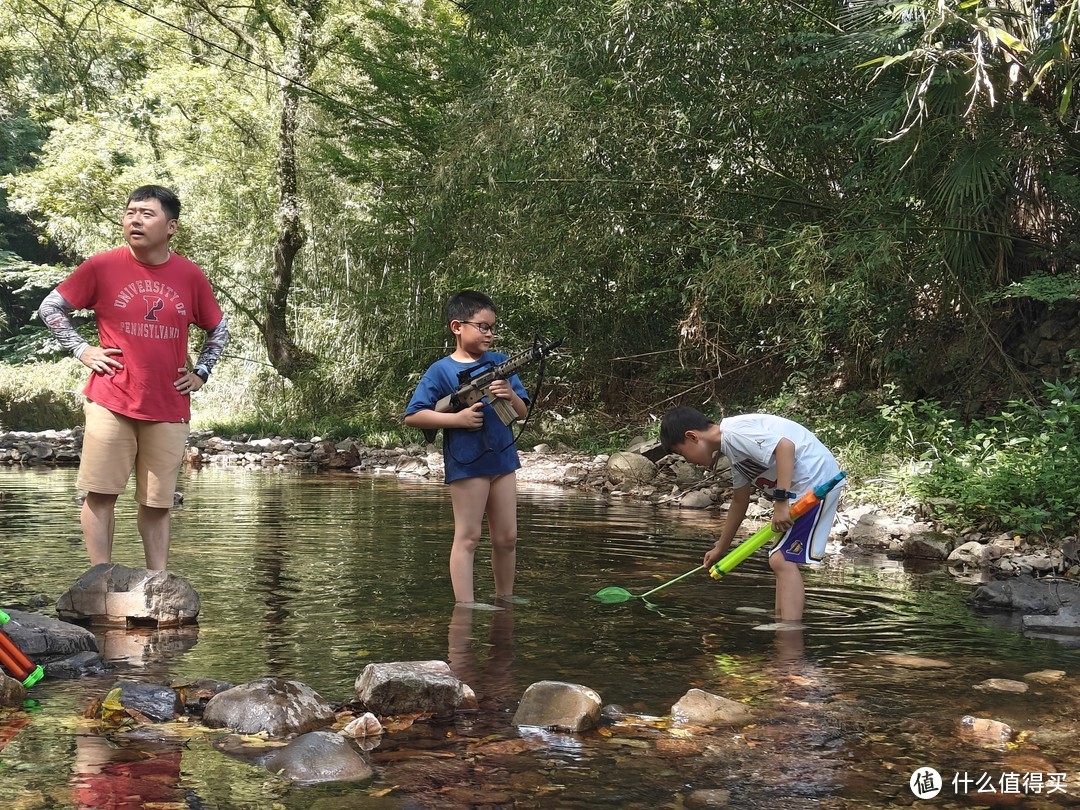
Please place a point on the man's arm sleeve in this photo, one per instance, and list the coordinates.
(54, 314)
(213, 347)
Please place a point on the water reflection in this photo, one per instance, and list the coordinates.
(489, 674)
(314, 577)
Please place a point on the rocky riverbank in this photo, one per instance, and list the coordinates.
(641, 473)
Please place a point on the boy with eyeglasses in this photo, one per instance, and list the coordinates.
(782, 459)
(480, 458)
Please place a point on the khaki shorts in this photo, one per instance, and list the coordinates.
(113, 444)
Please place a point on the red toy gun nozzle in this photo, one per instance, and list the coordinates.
(14, 661)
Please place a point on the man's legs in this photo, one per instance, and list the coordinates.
(790, 592)
(502, 525)
(157, 466)
(154, 530)
(98, 519)
(469, 497)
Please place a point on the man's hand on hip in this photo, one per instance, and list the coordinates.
(101, 361)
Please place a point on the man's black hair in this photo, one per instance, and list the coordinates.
(465, 304)
(170, 203)
(677, 421)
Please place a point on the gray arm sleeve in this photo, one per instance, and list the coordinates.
(214, 345)
(54, 314)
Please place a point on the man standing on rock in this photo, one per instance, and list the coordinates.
(138, 406)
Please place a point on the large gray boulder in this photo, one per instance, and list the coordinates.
(320, 756)
(1027, 594)
(1066, 622)
(406, 687)
(63, 650)
(630, 468)
(700, 708)
(115, 595)
(276, 706)
(559, 705)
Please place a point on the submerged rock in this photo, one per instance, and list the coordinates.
(985, 730)
(701, 708)
(1002, 685)
(406, 687)
(559, 705)
(320, 756)
(157, 702)
(1065, 622)
(915, 661)
(112, 594)
(1045, 676)
(12, 692)
(276, 706)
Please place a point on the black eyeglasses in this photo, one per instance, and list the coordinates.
(485, 328)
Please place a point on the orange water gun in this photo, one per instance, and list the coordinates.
(14, 661)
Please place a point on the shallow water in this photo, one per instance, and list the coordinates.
(313, 577)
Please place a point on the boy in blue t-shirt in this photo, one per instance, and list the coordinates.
(478, 449)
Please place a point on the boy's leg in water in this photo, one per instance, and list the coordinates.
(502, 525)
(469, 497)
(790, 593)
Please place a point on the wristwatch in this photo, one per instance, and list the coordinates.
(783, 495)
(201, 373)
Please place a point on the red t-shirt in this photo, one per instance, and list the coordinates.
(144, 310)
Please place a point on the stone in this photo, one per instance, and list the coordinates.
(985, 730)
(1027, 594)
(973, 554)
(915, 661)
(408, 687)
(197, 693)
(80, 665)
(276, 706)
(115, 595)
(319, 756)
(696, 499)
(1065, 622)
(63, 650)
(704, 799)
(12, 692)
(366, 725)
(157, 702)
(1045, 676)
(872, 530)
(700, 708)
(632, 468)
(927, 547)
(1002, 685)
(559, 705)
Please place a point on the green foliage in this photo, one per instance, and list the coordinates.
(41, 395)
(1015, 470)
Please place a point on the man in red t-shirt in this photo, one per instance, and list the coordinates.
(138, 407)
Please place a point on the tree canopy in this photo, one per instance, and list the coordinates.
(701, 197)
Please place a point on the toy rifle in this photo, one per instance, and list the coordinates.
(475, 385)
(13, 660)
(767, 533)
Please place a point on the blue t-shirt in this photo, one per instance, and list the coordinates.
(469, 453)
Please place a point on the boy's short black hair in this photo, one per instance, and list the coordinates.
(170, 203)
(465, 304)
(677, 421)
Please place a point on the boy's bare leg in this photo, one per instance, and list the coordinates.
(469, 497)
(790, 592)
(98, 519)
(502, 525)
(154, 529)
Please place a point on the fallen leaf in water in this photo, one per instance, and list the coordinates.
(604, 732)
(378, 794)
(401, 722)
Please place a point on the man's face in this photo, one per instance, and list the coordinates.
(693, 449)
(146, 225)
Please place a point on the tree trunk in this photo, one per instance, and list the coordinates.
(285, 355)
